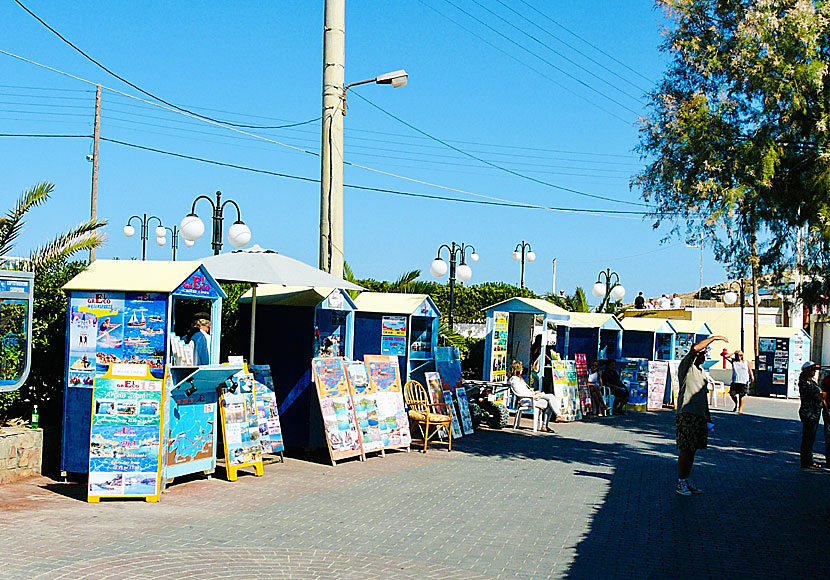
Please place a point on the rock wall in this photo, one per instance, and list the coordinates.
(21, 452)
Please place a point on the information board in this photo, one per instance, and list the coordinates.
(270, 430)
(385, 378)
(240, 425)
(365, 407)
(498, 358)
(393, 335)
(125, 436)
(337, 408)
(191, 430)
(658, 372)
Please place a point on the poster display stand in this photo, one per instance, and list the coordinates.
(240, 425)
(565, 389)
(674, 380)
(658, 373)
(464, 411)
(270, 430)
(125, 436)
(366, 408)
(385, 379)
(585, 401)
(634, 375)
(337, 407)
(498, 367)
(456, 427)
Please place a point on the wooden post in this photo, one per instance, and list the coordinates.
(93, 210)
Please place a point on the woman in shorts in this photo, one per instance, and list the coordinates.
(741, 377)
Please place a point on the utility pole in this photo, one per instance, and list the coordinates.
(331, 174)
(553, 285)
(93, 209)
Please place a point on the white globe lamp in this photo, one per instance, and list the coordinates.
(517, 255)
(161, 240)
(191, 227)
(598, 289)
(160, 232)
(730, 297)
(531, 256)
(438, 267)
(129, 231)
(474, 257)
(464, 273)
(189, 243)
(617, 292)
(239, 234)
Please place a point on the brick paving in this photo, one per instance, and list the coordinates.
(593, 500)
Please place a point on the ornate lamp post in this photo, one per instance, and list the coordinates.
(460, 271)
(174, 239)
(523, 252)
(607, 286)
(192, 227)
(731, 298)
(144, 221)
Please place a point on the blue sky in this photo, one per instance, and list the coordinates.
(474, 83)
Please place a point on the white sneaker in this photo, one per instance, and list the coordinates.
(683, 488)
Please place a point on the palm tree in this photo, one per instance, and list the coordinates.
(84, 236)
(576, 302)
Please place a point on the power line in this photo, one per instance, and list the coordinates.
(549, 33)
(45, 135)
(516, 173)
(151, 95)
(553, 50)
(572, 33)
(546, 61)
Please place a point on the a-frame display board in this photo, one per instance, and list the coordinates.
(125, 436)
(270, 429)
(240, 425)
(366, 408)
(385, 380)
(337, 408)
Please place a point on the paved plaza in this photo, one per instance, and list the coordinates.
(592, 500)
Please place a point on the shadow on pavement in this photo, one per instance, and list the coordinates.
(760, 515)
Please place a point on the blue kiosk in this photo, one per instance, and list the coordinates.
(687, 334)
(295, 324)
(124, 312)
(405, 325)
(648, 338)
(512, 326)
(598, 336)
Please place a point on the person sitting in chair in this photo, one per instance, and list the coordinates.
(611, 379)
(542, 401)
(594, 384)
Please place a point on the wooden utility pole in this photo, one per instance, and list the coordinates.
(93, 209)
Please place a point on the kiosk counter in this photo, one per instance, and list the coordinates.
(404, 325)
(124, 316)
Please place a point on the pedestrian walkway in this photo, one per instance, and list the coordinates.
(592, 500)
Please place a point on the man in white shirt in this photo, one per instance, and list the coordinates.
(663, 302)
(676, 302)
(542, 401)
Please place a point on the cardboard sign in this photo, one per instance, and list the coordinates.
(125, 437)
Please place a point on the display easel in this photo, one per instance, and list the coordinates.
(240, 425)
(385, 378)
(337, 407)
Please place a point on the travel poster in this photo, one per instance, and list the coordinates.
(658, 372)
(456, 428)
(464, 411)
(240, 422)
(336, 406)
(498, 357)
(191, 427)
(365, 406)
(435, 390)
(581, 364)
(393, 335)
(562, 391)
(270, 430)
(125, 437)
(385, 378)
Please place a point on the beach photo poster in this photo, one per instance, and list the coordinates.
(464, 411)
(385, 380)
(393, 335)
(337, 407)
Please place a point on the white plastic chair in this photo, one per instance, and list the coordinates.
(609, 399)
(718, 388)
(522, 406)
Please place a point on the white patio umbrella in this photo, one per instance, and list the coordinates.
(256, 265)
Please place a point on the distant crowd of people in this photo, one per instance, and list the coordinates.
(662, 303)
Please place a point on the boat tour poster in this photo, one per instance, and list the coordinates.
(385, 378)
(270, 430)
(393, 335)
(337, 407)
(115, 327)
(192, 427)
(125, 437)
(240, 423)
(365, 407)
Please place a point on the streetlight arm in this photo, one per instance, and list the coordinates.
(464, 248)
(158, 219)
(193, 207)
(238, 213)
(135, 217)
(350, 85)
(441, 247)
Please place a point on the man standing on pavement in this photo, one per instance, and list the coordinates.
(825, 388)
(692, 413)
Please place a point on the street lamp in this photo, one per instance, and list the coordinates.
(523, 252)
(331, 157)
(460, 271)
(609, 288)
(144, 221)
(731, 298)
(192, 227)
(174, 239)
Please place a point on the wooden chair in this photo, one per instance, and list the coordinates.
(425, 414)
